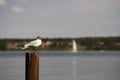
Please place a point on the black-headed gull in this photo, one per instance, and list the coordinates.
(33, 44)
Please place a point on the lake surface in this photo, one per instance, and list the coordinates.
(60, 65)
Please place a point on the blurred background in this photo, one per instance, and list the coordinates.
(80, 38)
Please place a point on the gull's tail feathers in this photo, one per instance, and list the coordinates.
(25, 46)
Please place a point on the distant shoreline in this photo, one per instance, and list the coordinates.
(65, 44)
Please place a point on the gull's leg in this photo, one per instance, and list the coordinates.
(34, 49)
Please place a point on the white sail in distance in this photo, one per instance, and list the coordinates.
(74, 46)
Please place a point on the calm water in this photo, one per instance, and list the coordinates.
(63, 66)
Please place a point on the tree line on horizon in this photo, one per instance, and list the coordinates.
(87, 43)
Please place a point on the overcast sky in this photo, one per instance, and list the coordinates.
(59, 18)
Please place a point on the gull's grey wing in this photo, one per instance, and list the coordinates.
(33, 42)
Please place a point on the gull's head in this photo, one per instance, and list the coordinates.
(38, 37)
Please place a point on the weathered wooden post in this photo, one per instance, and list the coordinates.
(32, 66)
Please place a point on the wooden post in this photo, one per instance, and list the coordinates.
(27, 65)
(32, 66)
